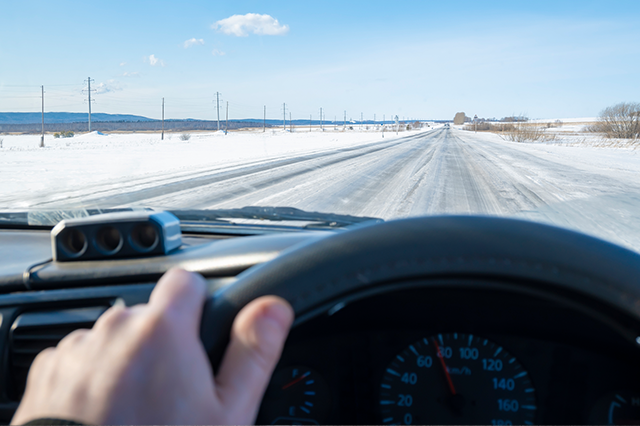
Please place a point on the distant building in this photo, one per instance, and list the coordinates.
(459, 118)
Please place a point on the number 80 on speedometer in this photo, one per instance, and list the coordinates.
(456, 378)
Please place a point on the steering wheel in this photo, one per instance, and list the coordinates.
(315, 277)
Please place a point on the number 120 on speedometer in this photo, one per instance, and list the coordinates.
(456, 378)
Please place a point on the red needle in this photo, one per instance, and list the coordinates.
(294, 381)
(444, 367)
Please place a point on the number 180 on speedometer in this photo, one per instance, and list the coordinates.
(456, 378)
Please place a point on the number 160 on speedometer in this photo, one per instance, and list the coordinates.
(456, 378)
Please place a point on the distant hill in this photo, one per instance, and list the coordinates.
(81, 117)
(65, 117)
(30, 122)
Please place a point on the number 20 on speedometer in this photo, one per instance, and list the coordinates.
(456, 378)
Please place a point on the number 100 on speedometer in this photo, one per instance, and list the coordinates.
(456, 378)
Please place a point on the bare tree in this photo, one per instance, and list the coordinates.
(620, 121)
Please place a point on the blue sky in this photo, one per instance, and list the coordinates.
(421, 59)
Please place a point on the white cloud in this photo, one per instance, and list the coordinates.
(153, 61)
(216, 52)
(131, 74)
(193, 42)
(122, 64)
(242, 25)
(109, 86)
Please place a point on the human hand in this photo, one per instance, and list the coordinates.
(146, 364)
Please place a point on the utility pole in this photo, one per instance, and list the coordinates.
(89, 87)
(310, 121)
(42, 138)
(264, 120)
(290, 123)
(361, 120)
(162, 137)
(374, 119)
(218, 108)
(284, 117)
(89, 96)
(344, 126)
(226, 127)
(321, 128)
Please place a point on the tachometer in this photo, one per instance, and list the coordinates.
(456, 379)
(297, 395)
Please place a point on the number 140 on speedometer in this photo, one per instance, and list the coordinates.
(456, 378)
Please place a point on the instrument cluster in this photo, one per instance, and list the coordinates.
(427, 362)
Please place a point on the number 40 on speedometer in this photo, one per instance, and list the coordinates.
(456, 378)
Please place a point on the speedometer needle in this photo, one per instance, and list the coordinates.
(294, 381)
(440, 356)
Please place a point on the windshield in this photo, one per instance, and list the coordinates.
(362, 108)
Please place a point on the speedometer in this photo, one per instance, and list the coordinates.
(456, 379)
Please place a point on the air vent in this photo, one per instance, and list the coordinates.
(33, 332)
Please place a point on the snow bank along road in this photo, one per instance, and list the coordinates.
(440, 171)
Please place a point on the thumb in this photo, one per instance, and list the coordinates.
(257, 337)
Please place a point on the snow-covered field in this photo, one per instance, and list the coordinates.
(572, 132)
(31, 176)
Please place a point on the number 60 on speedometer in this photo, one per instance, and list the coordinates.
(456, 379)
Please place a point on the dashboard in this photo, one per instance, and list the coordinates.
(510, 359)
(465, 348)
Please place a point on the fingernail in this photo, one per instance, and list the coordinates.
(281, 313)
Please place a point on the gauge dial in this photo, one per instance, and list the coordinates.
(296, 395)
(456, 379)
(617, 408)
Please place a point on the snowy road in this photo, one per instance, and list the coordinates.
(441, 171)
(444, 171)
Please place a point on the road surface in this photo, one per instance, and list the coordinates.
(438, 172)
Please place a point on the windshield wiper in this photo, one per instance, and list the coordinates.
(49, 218)
(279, 214)
(255, 216)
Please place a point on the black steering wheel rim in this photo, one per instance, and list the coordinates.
(315, 276)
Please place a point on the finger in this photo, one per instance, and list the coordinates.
(42, 358)
(111, 317)
(257, 337)
(182, 294)
(73, 338)
(38, 365)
